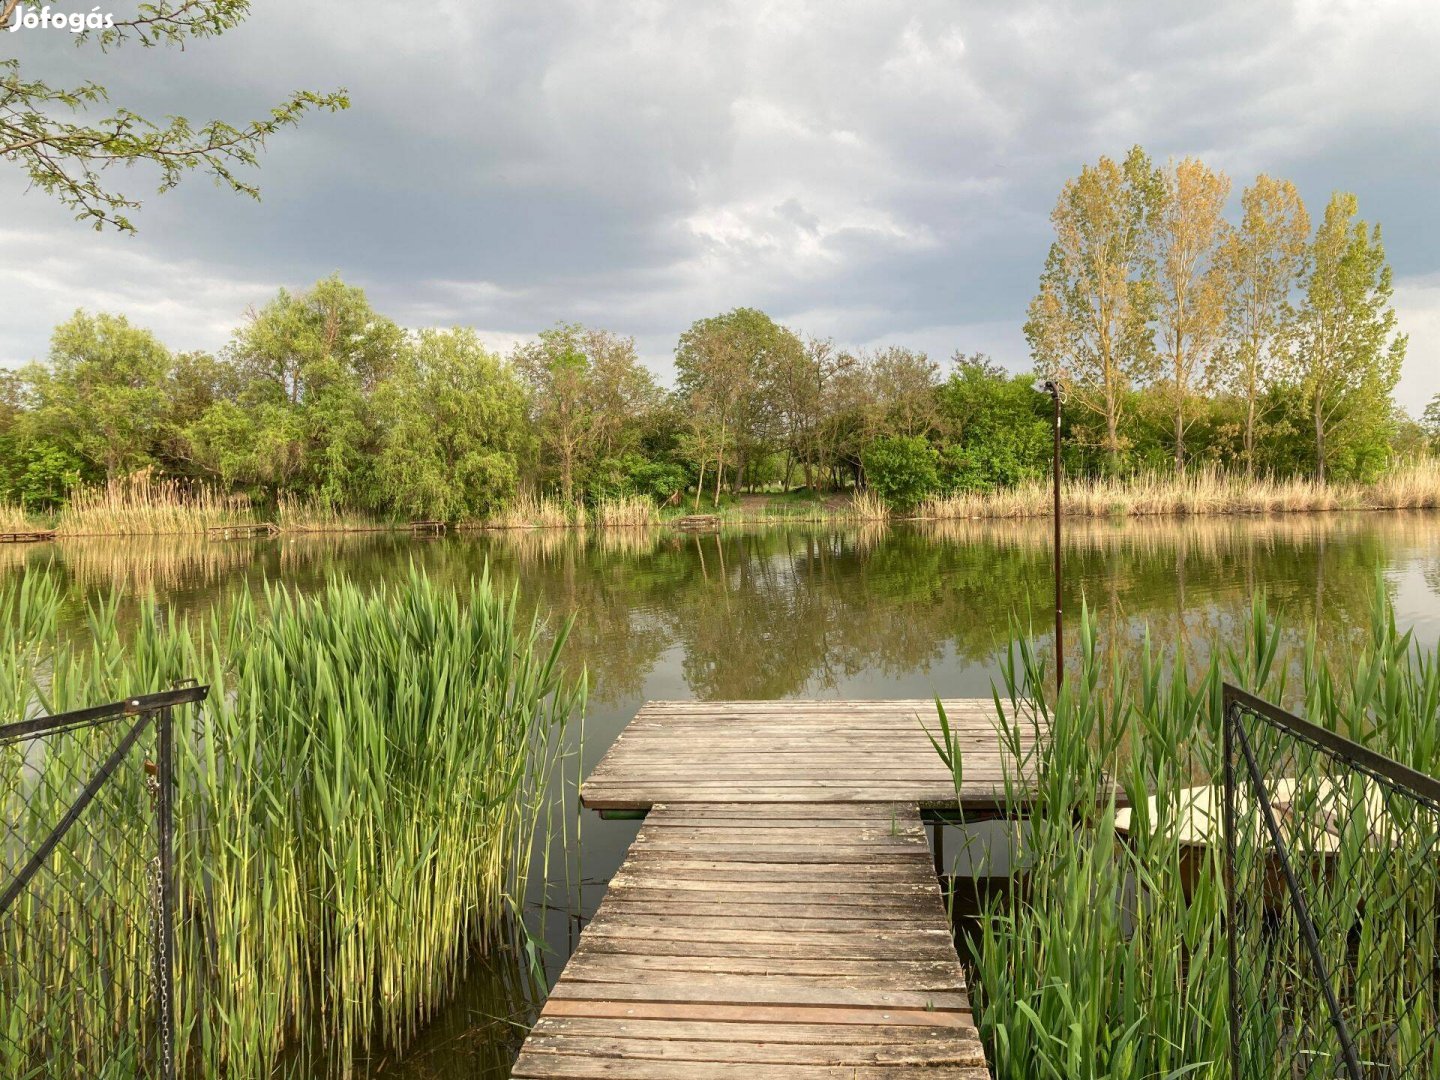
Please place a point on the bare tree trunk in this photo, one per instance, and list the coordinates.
(1250, 437)
(1180, 435)
(719, 465)
(699, 486)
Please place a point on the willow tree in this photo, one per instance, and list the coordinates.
(53, 134)
(455, 428)
(1261, 260)
(1345, 355)
(1189, 229)
(1088, 326)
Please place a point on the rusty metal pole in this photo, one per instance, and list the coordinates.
(1059, 579)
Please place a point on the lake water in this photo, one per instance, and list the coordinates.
(794, 612)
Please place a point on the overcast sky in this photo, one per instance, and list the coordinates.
(870, 171)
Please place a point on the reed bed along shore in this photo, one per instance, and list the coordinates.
(1412, 486)
(143, 504)
(1106, 953)
(358, 804)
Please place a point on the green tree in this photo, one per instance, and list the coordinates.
(1345, 354)
(723, 366)
(588, 392)
(308, 365)
(1089, 325)
(455, 427)
(48, 130)
(102, 395)
(1261, 261)
(1430, 423)
(995, 427)
(903, 382)
(900, 469)
(1189, 228)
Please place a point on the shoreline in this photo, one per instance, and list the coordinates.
(46, 536)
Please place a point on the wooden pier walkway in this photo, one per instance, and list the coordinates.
(778, 914)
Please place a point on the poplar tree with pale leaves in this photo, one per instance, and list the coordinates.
(1189, 229)
(1261, 261)
(1089, 326)
(1345, 353)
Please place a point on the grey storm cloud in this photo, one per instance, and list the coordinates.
(871, 171)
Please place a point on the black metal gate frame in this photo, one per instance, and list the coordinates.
(1235, 703)
(147, 709)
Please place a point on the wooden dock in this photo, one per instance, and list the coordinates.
(778, 914)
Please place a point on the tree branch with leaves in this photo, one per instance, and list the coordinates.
(51, 133)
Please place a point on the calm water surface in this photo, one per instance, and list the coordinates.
(792, 612)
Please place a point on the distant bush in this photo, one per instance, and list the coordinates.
(900, 469)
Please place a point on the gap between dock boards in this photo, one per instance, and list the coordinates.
(741, 940)
(778, 914)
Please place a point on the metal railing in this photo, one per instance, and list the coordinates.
(1332, 875)
(87, 891)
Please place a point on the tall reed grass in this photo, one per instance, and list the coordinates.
(14, 519)
(357, 808)
(868, 506)
(625, 510)
(144, 504)
(531, 511)
(1105, 957)
(294, 513)
(1411, 486)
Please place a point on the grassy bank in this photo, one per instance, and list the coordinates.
(1412, 486)
(356, 810)
(1100, 958)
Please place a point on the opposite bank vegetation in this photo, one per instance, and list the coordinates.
(142, 504)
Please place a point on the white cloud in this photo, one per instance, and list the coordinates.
(861, 169)
(1417, 310)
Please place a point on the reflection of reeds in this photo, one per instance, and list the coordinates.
(143, 504)
(1207, 536)
(630, 542)
(140, 565)
(529, 545)
(1414, 485)
(871, 533)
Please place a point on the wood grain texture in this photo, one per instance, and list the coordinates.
(781, 753)
(743, 940)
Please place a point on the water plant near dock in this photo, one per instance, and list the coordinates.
(1107, 956)
(357, 805)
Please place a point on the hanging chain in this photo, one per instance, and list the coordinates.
(159, 982)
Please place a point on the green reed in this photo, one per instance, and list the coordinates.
(357, 807)
(1107, 956)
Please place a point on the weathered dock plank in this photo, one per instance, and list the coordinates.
(780, 752)
(739, 942)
